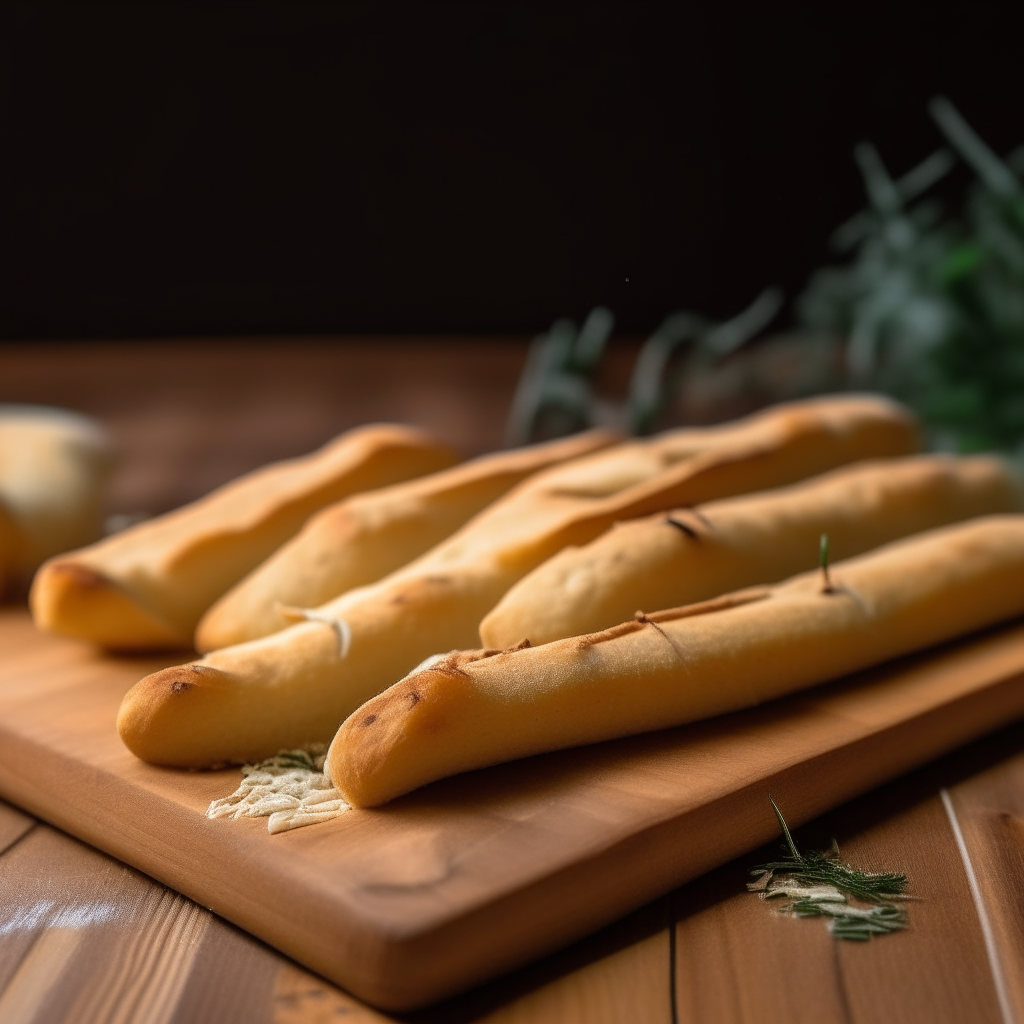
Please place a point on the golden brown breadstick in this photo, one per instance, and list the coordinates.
(294, 687)
(54, 466)
(147, 586)
(691, 555)
(363, 538)
(472, 709)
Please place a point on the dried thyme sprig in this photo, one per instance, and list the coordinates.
(310, 760)
(854, 923)
(819, 884)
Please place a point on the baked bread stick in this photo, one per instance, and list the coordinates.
(363, 538)
(54, 466)
(694, 554)
(246, 702)
(146, 587)
(477, 708)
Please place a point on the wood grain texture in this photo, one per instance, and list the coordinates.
(990, 810)
(630, 985)
(739, 960)
(477, 874)
(13, 826)
(87, 940)
(119, 947)
(190, 414)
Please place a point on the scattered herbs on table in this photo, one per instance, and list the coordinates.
(819, 884)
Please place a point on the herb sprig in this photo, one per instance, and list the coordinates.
(819, 884)
(826, 580)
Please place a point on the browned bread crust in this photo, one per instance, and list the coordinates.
(691, 554)
(296, 686)
(361, 539)
(476, 708)
(147, 586)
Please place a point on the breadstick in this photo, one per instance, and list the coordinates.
(147, 586)
(691, 555)
(363, 538)
(295, 687)
(477, 708)
(54, 466)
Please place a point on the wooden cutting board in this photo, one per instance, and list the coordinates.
(474, 875)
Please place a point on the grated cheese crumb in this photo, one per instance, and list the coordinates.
(289, 788)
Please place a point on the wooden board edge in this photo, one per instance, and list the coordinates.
(257, 901)
(502, 935)
(412, 971)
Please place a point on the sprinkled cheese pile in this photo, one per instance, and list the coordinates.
(290, 788)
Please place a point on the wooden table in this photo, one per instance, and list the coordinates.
(84, 938)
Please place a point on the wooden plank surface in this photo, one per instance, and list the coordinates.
(110, 944)
(119, 946)
(736, 963)
(187, 416)
(474, 875)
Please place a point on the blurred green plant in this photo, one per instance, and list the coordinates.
(656, 372)
(931, 307)
(555, 393)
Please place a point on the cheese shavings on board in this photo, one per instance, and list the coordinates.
(290, 788)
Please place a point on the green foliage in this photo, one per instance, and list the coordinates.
(555, 393)
(854, 923)
(819, 884)
(932, 306)
(310, 759)
(655, 375)
(929, 307)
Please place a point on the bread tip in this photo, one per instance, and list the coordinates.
(150, 715)
(56, 586)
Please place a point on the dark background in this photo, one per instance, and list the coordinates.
(446, 167)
